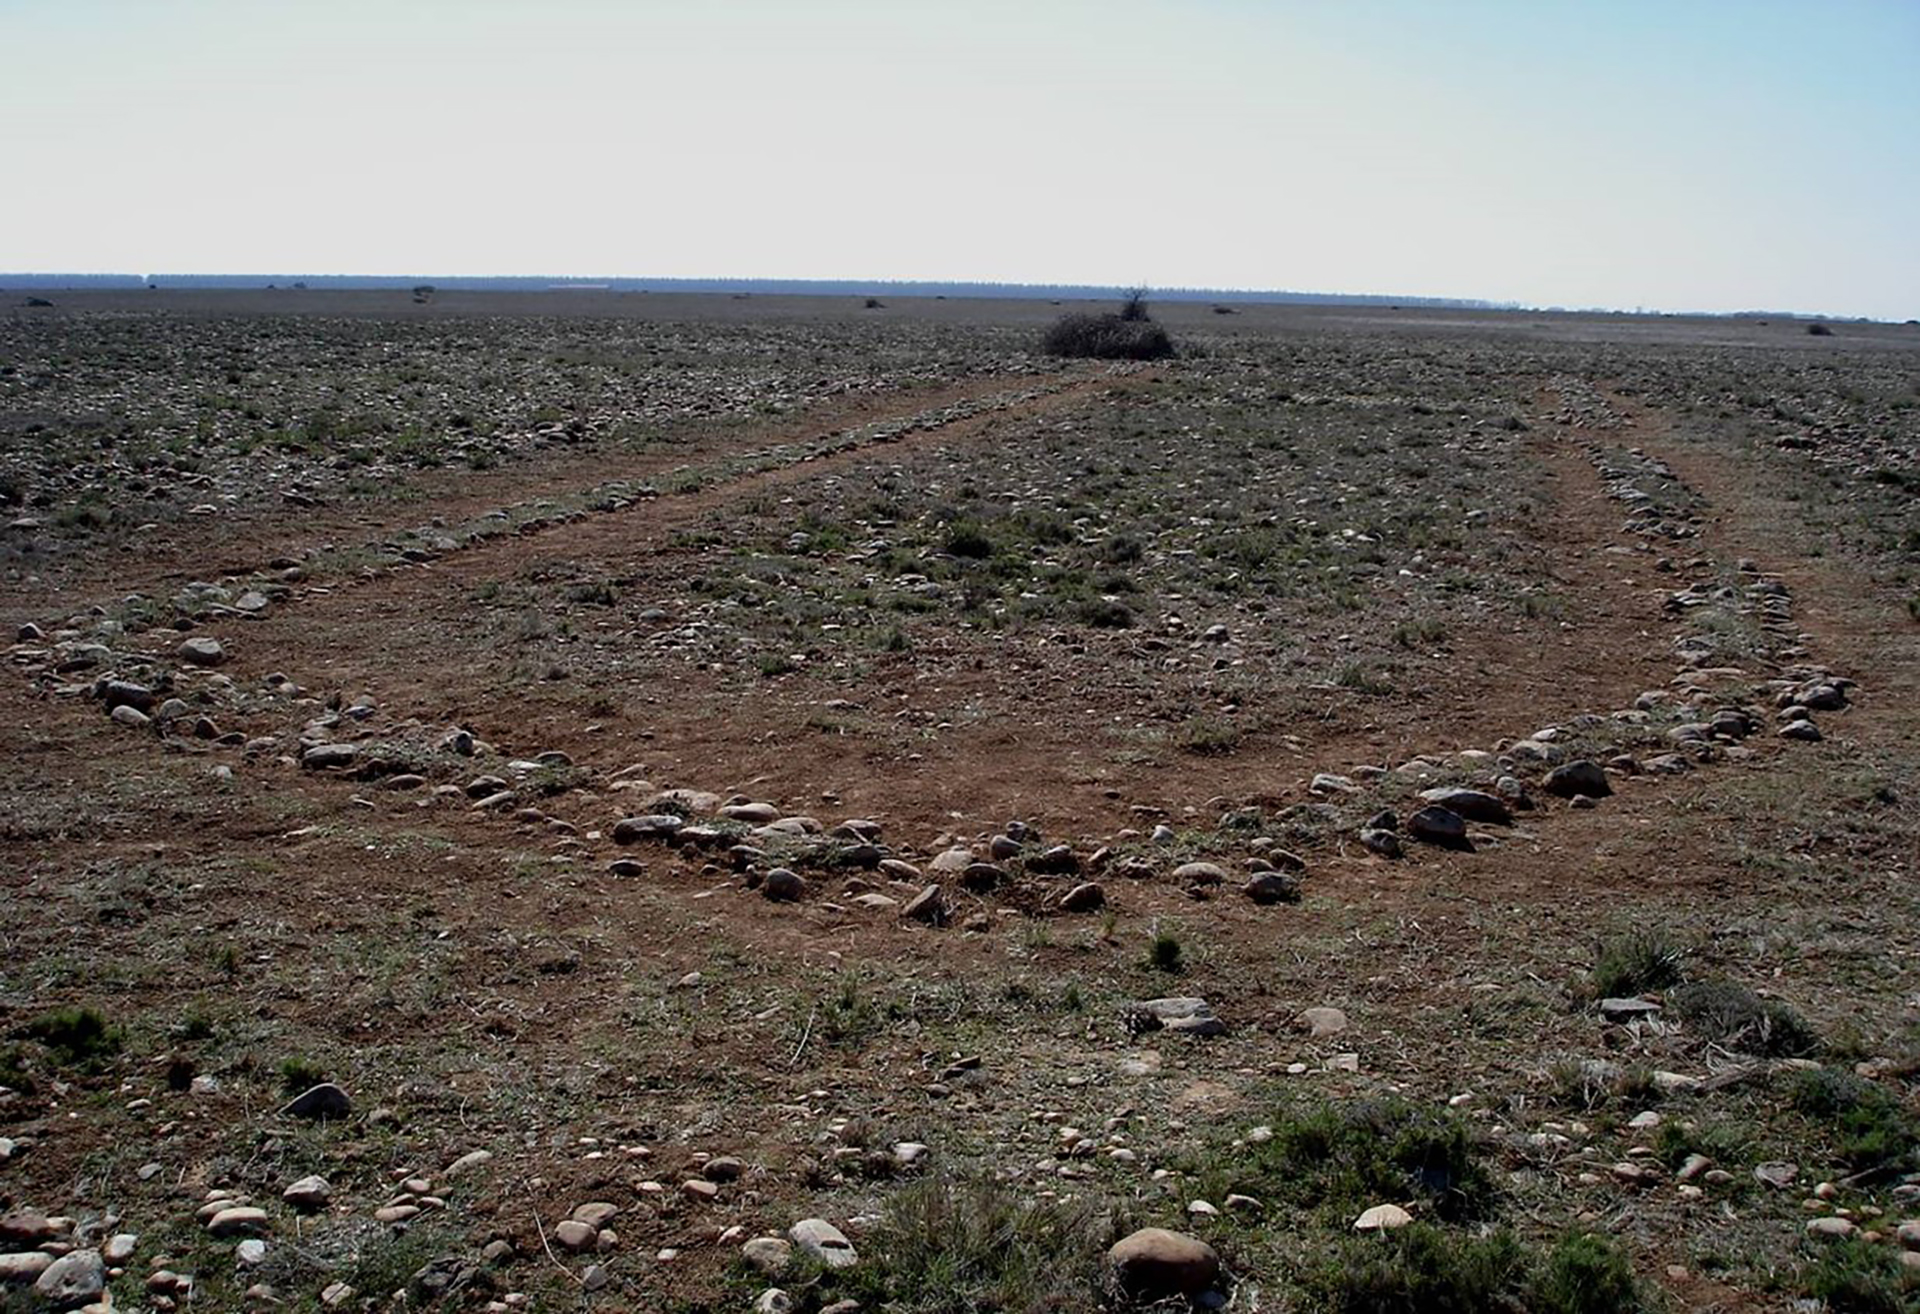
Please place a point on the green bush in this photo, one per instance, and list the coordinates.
(298, 1074)
(1164, 952)
(966, 539)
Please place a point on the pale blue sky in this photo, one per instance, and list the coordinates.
(1688, 154)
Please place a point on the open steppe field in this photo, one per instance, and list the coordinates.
(601, 779)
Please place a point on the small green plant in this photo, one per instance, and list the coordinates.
(1165, 954)
(1106, 614)
(1207, 736)
(774, 664)
(298, 1074)
(1634, 962)
(77, 1037)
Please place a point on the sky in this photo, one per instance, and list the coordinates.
(1671, 155)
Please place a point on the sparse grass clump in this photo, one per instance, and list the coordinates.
(1728, 1013)
(1636, 962)
(955, 1245)
(1165, 954)
(298, 1074)
(77, 1037)
(1852, 1276)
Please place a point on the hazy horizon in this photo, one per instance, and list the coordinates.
(1712, 157)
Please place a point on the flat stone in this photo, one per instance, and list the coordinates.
(768, 1255)
(308, 1193)
(1322, 1021)
(1472, 804)
(24, 1267)
(1084, 897)
(468, 1162)
(824, 1242)
(652, 825)
(1382, 1218)
(576, 1235)
(241, 1220)
(1200, 873)
(76, 1278)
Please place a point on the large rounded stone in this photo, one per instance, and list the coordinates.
(1153, 1264)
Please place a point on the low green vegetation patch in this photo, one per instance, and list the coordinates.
(1872, 1131)
(1342, 1158)
(76, 1037)
(960, 1244)
(1424, 1269)
(1852, 1276)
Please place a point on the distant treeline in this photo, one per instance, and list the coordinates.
(804, 287)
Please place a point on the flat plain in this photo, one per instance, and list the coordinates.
(738, 761)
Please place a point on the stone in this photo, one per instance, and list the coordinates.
(76, 1278)
(1155, 1264)
(773, 1301)
(1058, 860)
(783, 886)
(468, 1162)
(1804, 731)
(929, 906)
(329, 757)
(320, 1103)
(1187, 1014)
(27, 1228)
(1382, 1218)
(335, 1294)
(1830, 1228)
(824, 1242)
(1626, 1010)
(120, 1247)
(23, 1267)
(1581, 777)
(239, 1220)
(576, 1235)
(652, 825)
(1321, 1022)
(130, 717)
(1271, 887)
(1908, 1234)
(1200, 873)
(723, 1168)
(308, 1193)
(768, 1255)
(1083, 898)
(202, 651)
(1471, 804)
(252, 1252)
(1777, 1175)
(596, 1214)
(1439, 826)
(1382, 843)
(699, 1189)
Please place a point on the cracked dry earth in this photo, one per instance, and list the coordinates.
(632, 849)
